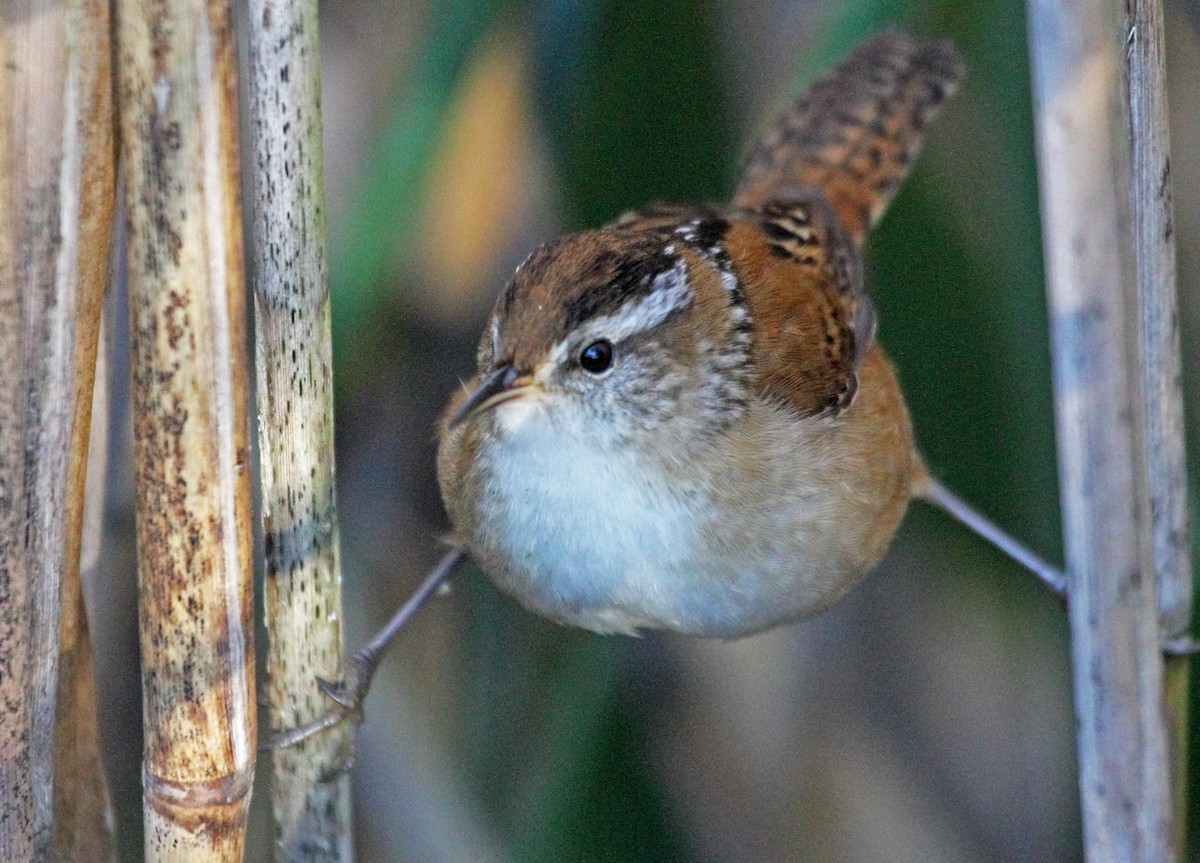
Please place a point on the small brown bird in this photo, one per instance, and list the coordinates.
(681, 420)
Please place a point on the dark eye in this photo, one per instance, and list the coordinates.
(597, 356)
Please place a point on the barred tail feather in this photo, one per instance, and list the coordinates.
(854, 133)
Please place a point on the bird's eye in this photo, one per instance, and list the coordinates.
(597, 356)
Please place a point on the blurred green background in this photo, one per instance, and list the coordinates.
(928, 717)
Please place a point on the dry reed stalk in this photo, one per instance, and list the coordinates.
(178, 105)
(1154, 253)
(1084, 169)
(295, 407)
(19, 813)
(83, 828)
(57, 180)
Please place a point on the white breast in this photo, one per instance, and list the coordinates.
(594, 538)
(600, 537)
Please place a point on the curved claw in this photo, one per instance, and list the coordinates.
(349, 697)
(348, 707)
(348, 700)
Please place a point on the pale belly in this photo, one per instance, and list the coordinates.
(589, 541)
(610, 544)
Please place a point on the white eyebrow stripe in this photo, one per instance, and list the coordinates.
(669, 292)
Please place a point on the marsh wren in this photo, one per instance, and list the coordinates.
(681, 420)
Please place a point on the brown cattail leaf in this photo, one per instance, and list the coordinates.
(57, 178)
(83, 820)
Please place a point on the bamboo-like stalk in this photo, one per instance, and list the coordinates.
(295, 406)
(58, 190)
(178, 105)
(1084, 169)
(19, 812)
(1154, 253)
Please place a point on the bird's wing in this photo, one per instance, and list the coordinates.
(798, 278)
(812, 321)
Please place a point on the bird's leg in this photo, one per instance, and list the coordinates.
(961, 511)
(350, 693)
(1053, 579)
(1181, 645)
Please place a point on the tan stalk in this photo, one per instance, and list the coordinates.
(19, 813)
(295, 407)
(83, 828)
(58, 183)
(178, 105)
(1154, 250)
(83, 820)
(1088, 224)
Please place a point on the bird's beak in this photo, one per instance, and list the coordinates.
(501, 385)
